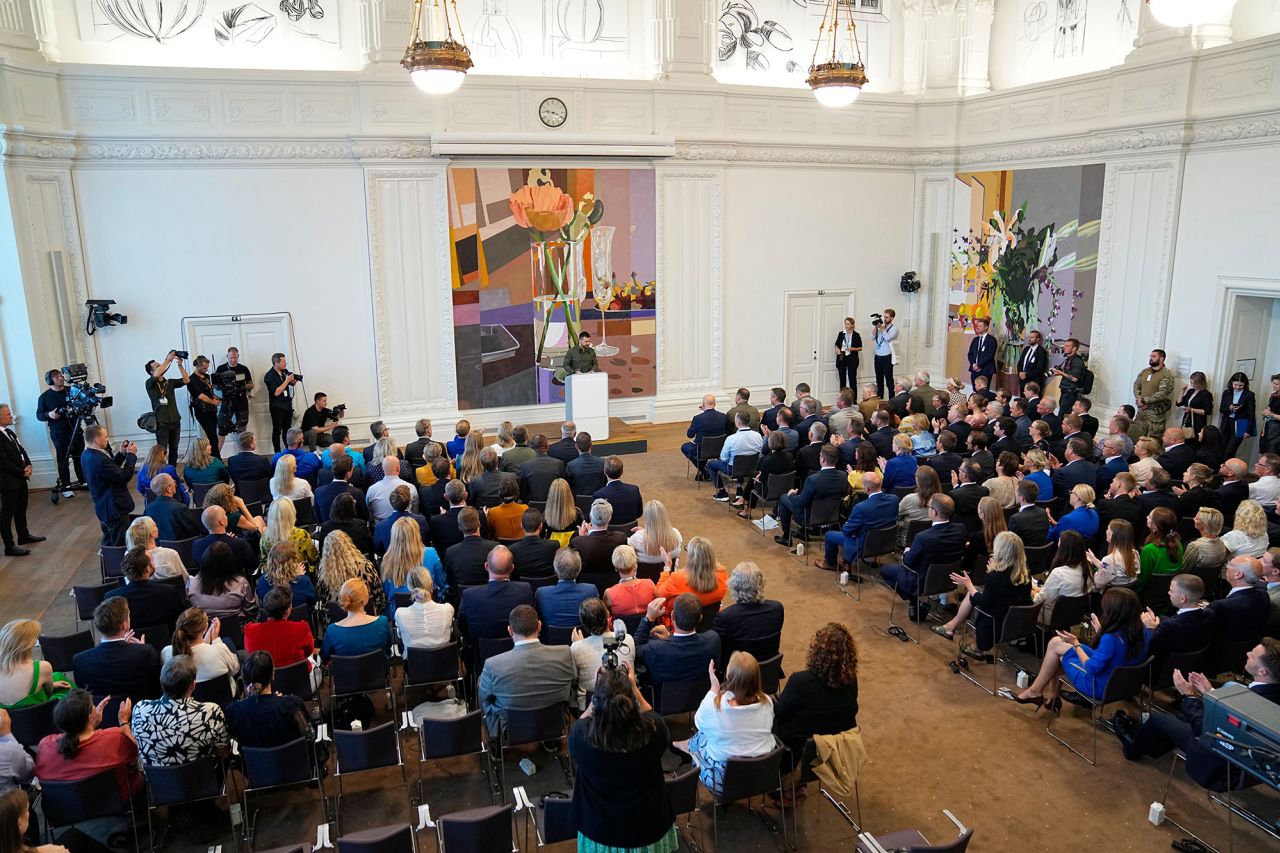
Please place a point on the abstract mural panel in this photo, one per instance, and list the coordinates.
(539, 255)
(1024, 254)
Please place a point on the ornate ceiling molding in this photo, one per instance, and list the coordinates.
(734, 153)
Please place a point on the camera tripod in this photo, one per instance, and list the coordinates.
(83, 419)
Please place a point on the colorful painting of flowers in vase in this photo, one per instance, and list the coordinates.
(540, 255)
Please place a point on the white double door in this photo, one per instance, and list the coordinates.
(814, 318)
(258, 337)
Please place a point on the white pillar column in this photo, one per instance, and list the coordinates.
(974, 46)
(686, 31)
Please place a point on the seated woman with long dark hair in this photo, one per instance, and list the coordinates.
(1070, 576)
(1122, 641)
(264, 718)
(221, 589)
(15, 820)
(342, 516)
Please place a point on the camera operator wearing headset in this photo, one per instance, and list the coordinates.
(68, 442)
(279, 382)
(234, 414)
(205, 402)
(160, 392)
(318, 422)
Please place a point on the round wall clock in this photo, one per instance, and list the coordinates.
(553, 112)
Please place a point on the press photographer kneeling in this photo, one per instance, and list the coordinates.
(318, 422)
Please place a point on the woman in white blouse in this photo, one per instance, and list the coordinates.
(1069, 577)
(198, 637)
(167, 562)
(1120, 566)
(286, 483)
(1146, 449)
(735, 720)
(425, 623)
(1249, 537)
(655, 532)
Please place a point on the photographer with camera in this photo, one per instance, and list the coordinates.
(318, 422)
(109, 478)
(885, 334)
(205, 402)
(235, 382)
(68, 442)
(280, 382)
(163, 404)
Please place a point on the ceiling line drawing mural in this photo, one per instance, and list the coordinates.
(1069, 28)
(777, 37)
(153, 20)
(230, 24)
(249, 24)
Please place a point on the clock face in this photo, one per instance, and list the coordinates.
(553, 112)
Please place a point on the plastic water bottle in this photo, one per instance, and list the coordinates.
(357, 726)
(844, 579)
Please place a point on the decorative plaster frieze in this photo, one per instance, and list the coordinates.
(37, 147)
(137, 149)
(793, 154)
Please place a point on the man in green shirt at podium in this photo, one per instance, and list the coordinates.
(581, 358)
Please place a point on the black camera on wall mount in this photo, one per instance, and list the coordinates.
(910, 282)
(100, 317)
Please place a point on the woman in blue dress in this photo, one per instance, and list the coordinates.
(1037, 461)
(901, 469)
(1122, 641)
(1082, 517)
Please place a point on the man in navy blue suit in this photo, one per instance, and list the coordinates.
(558, 604)
(173, 519)
(982, 351)
(1078, 470)
(681, 655)
(943, 542)
(109, 478)
(826, 482)
(399, 509)
(343, 467)
(484, 610)
(623, 497)
(246, 464)
(1242, 614)
(1189, 629)
(877, 510)
(1112, 463)
(708, 423)
(121, 664)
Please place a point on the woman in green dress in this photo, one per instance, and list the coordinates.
(25, 681)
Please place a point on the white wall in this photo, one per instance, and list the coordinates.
(790, 229)
(171, 242)
(1253, 18)
(1023, 40)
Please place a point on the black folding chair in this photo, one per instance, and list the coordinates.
(583, 503)
(708, 617)
(362, 751)
(913, 840)
(185, 549)
(1156, 593)
(358, 675)
(216, 690)
(903, 491)
(199, 491)
(682, 792)
(521, 728)
(708, 447)
(295, 680)
(60, 651)
(632, 621)
(430, 667)
(1019, 623)
(291, 765)
(557, 635)
(1068, 612)
(771, 674)
(195, 782)
(536, 584)
(231, 628)
(69, 803)
(89, 597)
(306, 512)
(680, 697)
(451, 738)
(32, 723)
(110, 558)
(916, 527)
(1038, 559)
(1125, 682)
(774, 488)
(823, 514)
(1229, 656)
(876, 543)
(485, 828)
(1184, 662)
(255, 491)
(383, 839)
(745, 779)
(937, 581)
(743, 469)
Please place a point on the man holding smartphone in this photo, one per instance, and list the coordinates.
(109, 478)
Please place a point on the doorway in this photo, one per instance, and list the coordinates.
(814, 318)
(1252, 347)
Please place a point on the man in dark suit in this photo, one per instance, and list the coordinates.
(121, 664)
(400, 508)
(378, 430)
(595, 547)
(486, 489)
(1030, 522)
(777, 400)
(1005, 430)
(15, 471)
(1227, 497)
(946, 461)
(623, 497)
(416, 451)
(151, 603)
(565, 449)
(464, 562)
(1178, 455)
(809, 457)
(1122, 502)
(1072, 427)
(957, 426)
(882, 433)
(1242, 614)
(1078, 470)
(484, 610)
(1112, 463)
(982, 351)
(681, 655)
(876, 511)
(966, 491)
(979, 454)
(431, 499)
(247, 464)
(173, 519)
(1021, 414)
(533, 555)
(1088, 423)
(708, 423)
(1034, 362)
(109, 478)
(901, 394)
(445, 531)
(825, 483)
(810, 414)
(558, 603)
(585, 473)
(1188, 630)
(339, 485)
(1046, 411)
(1162, 732)
(537, 475)
(516, 456)
(943, 542)
(214, 519)
(1159, 492)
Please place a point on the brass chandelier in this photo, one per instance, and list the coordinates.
(437, 64)
(835, 82)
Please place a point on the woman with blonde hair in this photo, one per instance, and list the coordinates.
(282, 519)
(158, 463)
(24, 681)
(284, 568)
(900, 470)
(426, 622)
(923, 442)
(735, 720)
(404, 554)
(1208, 551)
(469, 466)
(631, 595)
(1038, 472)
(915, 506)
(358, 633)
(1120, 566)
(341, 562)
(197, 636)
(238, 515)
(286, 484)
(655, 531)
(700, 575)
(505, 440)
(203, 466)
(1146, 449)
(383, 449)
(561, 518)
(1082, 517)
(1249, 536)
(142, 533)
(1008, 584)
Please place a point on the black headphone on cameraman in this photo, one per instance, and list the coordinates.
(48, 377)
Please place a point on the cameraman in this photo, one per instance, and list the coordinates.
(67, 440)
(160, 392)
(280, 382)
(234, 414)
(318, 422)
(205, 401)
(885, 334)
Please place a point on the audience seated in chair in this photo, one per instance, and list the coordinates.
(566, 450)
(595, 544)
(239, 520)
(342, 562)
(484, 610)
(401, 499)
(1007, 585)
(558, 603)
(822, 698)
(534, 555)
(708, 423)
(537, 474)
(286, 482)
(529, 677)
(586, 472)
(284, 568)
(221, 588)
(679, 654)
(1120, 566)
(214, 519)
(1161, 554)
(158, 463)
(246, 464)
(464, 562)
(172, 517)
(752, 623)
(561, 517)
(167, 562)
(588, 646)
(25, 681)
(282, 521)
(504, 519)
(358, 633)
(702, 574)
(176, 729)
(1241, 615)
(343, 518)
(735, 720)
(199, 638)
(877, 511)
(343, 468)
(914, 507)
(287, 641)
(406, 552)
(942, 542)
(121, 664)
(742, 441)
(445, 531)
(264, 719)
(1069, 578)
(1189, 628)
(631, 595)
(1248, 537)
(625, 498)
(425, 623)
(150, 601)
(1082, 517)
(828, 482)
(378, 495)
(655, 533)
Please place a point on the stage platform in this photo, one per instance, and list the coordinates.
(624, 438)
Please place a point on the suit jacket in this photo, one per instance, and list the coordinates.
(244, 553)
(808, 460)
(1241, 616)
(1090, 425)
(825, 483)
(966, 497)
(464, 561)
(982, 352)
(1031, 524)
(769, 417)
(1150, 500)
(708, 423)
(537, 475)
(1107, 472)
(596, 550)
(382, 531)
(1191, 501)
(118, 668)
(485, 489)
(1123, 507)
(882, 440)
(484, 611)
(565, 450)
(1227, 498)
(877, 511)
(558, 604)
(961, 431)
(173, 520)
(444, 530)
(1073, 474)
(1007, 444)
(586, 474)
(431, 499)
(533, 557)
(109, 478)
(945, 464)
(1055, 423)
(986, 461)
(328, 493)
(1273, 621)
(1176, 460)
(1182, 632)
(624, 498)
(754, 628)
(13, 461)
(899, 403)
(1035, 364)
(680, 657)
(1060, 446)
(248, 465)
(941, 543)
(516, 456)
(151, 604)
(529, 677)
(415, 452)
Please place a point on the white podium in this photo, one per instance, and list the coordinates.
(586, 403)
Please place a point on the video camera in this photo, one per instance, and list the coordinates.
(611, 644)
(82, 396)
(228, 382)
(877, 320)
(337, 411)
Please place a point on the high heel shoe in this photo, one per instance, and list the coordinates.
(1006, 693)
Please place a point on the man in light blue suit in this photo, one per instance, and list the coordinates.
(876, 510)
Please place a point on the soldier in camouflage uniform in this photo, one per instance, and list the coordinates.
(1153, 393)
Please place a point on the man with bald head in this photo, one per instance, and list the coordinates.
(484, 609)
(378, 496)
(943, 542)
(1178, 455)
(708, 423)
(214, 519)
(1241, 615)
(1227, 497)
